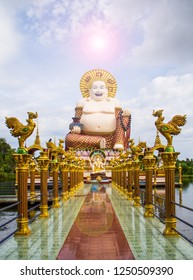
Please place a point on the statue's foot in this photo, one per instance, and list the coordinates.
(102, 143)
(118, 146)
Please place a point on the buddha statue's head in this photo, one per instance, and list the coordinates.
(98, 91)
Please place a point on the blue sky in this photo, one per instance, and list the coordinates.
(46, 47)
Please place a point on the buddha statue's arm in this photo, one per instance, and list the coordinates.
(117, 111)
(78, 111)
(76, 128)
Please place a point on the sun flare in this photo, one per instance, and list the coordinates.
(99, 44)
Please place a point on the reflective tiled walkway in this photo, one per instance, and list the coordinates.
(96, 233)
(144, 235)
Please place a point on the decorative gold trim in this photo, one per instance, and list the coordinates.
(44, 211)
(23, 228)
(97, 133)
(98, 75)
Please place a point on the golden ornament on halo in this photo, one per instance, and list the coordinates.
(96, 75)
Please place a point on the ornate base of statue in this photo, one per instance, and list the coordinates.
(99, 176)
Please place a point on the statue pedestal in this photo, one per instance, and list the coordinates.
(100, 174)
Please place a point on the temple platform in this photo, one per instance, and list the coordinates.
(93, 218)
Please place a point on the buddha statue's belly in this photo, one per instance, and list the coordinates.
(98, 122)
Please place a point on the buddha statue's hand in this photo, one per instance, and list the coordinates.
(126, 113)
(76, 129)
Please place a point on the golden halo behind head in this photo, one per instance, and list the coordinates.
(98, 75)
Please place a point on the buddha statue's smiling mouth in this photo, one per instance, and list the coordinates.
(98, 94)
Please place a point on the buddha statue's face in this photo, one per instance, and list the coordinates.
(98, 91)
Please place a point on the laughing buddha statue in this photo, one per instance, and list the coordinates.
(99, 120)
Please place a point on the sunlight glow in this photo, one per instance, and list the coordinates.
(98, 44)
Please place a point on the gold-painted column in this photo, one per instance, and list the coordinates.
(32, 168)
(180, 183)
(169, 162)
(119, 177)
(129, 180)
(180, 175)
(55, 167)
(71, 180)
(22, 162)
(149, 163)
(124, 178)
(136, 195)
(43, 163)
(64, 177)
(114, 177)
(16, 176)
(80, 181)
(76, 177)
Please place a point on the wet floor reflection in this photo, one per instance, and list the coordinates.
(96, 232)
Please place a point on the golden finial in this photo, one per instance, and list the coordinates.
(169, 129)
(20, 131)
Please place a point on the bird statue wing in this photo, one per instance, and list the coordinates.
(17, 128)
(169, 128)
(173, 126)
(178, 120)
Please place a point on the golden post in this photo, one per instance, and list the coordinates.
(124, 178)
(130, 179)
(32, 168)
(149, 163)
(55, 167)
(169, 161)
(43, 163)
(136, 194)
(64, 177)
(71, 186)
(180, 175)
(22, 162)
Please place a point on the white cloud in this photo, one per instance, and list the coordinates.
(49, 97)
(10, 39)
(126, 13)
(168, 35)
(60, 20)
(173, 94)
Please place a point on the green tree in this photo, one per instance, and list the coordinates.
(187, 166)
(7, 163)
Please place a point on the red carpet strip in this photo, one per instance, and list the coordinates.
(96, 233)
